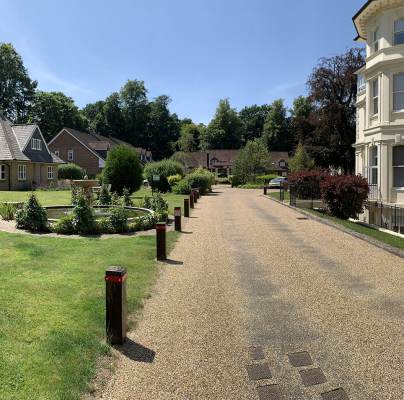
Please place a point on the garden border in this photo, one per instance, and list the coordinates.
(368, 239)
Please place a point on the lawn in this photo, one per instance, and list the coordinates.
(55, 198)
(276, 195)
(391, 240)
(52, 309)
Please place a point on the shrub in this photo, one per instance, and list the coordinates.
(118, 220)
(344, 195)
(70, 171)
(251, 186)
(307, 183)
(123, 169)
(105, 196)
(223, 181)
(143, 223)
(173, 180)
(264, 179)
(8, 210)
(163, 169)
(126, 199)
(201, 179)
(182, 187)
(83, 217)
(32, 216)
(158, 204)
(64, 226)
(115, 199)
(301, 161)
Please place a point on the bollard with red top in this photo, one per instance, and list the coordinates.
(161, 241)
(116, 314)
(177, 218)
(186, 208)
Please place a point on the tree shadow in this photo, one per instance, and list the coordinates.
(136, 352)
(187, 233)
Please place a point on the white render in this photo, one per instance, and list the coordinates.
(381, 133)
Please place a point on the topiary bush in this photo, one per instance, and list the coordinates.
(83, 216)
(344, 195)
(105, 196)
(163, 169)
(123, 170)
(32, 216)
(126, 199)
(70, 171)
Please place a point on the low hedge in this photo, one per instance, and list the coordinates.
(199, 179)
(70, 171)
(163, 169)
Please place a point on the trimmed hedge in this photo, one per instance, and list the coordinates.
(70, 171)
(163, 169)
(199, 179)
(307, 183)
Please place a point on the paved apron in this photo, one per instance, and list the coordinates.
(259, 304)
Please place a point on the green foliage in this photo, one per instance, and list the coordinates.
(83, 216)
(143, 223)
(182, 187)
(253, 120)
(224, 181)
(276, 134)
(264, 179)
(115, 199)
(8, 210)
(52, 111)
(190, 137)
(201, 179)
(118, 219)
(32, 216)
(123, 169)
(105, 196)
(163, 169)
(64, 226)
(301, 160)
(70, 171)
(174, 179)
(252, 160)
(16, 87)
(126, 199)
(225, 130)
(158, 204)
(251, 186)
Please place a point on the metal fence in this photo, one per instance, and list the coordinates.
(305, 195)
(374, 193)
(386, 216)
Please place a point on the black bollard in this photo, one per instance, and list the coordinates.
(191, 200)
(115, 293)
(198, 195)
(186, 208)
(195, 196)
(265, 190)
(177, 218)
(161, 241)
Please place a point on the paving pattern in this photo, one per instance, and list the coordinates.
(258, 304)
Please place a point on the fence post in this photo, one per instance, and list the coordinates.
(161, 241)
(186, 208)
(177, 218)
(115, 296)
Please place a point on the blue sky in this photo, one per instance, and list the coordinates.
(196, 51)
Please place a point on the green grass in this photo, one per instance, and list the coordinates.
(391, 240)
(56, 198)
(276, 195)
(52, 309)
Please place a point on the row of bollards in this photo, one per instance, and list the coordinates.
(115, 277)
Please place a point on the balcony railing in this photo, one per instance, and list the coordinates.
(374, 193)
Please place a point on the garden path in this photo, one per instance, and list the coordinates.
(323, 310)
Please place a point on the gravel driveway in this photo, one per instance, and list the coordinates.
(311, 311)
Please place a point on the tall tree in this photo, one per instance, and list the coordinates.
(253, 120)
(114, 120)
(332, 87)
(163, 128)
(277, 134)
(302, 120)
(16, 87)
(52, 111)
(301, 161)
(94, 112)
(225, 129)
(190, 138)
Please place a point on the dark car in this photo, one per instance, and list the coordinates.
(278, 182)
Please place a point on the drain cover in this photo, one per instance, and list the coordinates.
(337, 394)
(312, 377)
(301, 359)
(257, 372)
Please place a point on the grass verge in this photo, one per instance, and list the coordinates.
(52, 309)
(276, 195)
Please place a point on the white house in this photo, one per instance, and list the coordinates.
(380, 104)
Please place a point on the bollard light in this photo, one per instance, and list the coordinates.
(161, 241)
(186, 208)
(116, 314)
(177, 219)
(191, 200)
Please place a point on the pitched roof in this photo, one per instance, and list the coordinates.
(10, 148)
(23, 133)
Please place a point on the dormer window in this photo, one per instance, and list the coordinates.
(399, 31)
(376, 38)
(36, 144)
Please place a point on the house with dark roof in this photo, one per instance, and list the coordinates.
(25, 160)
(89, 150)
(220, 162)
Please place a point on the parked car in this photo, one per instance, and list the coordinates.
(277, 182)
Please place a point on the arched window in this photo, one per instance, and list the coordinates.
(398, 166)
(399, 31)
(398, 92)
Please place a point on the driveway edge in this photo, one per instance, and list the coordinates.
(368, 239)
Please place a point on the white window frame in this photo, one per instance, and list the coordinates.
(2, 172)
(22, 172)
(57, 153)
(50, 173)
(36, 144)
(375, 97)
(395, 33)
(376, 40)
(396, 167)
(70, 155)
(373, 165)
(396, 92)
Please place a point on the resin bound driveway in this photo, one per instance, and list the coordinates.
(256, 303)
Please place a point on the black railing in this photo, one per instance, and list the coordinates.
(386, 216)
(374, 193)
(304, 195)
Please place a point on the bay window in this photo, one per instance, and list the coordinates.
(398, 166)
(376, 38)
(399, 31)
(373, 165)
(398, 92)
(375, 97)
